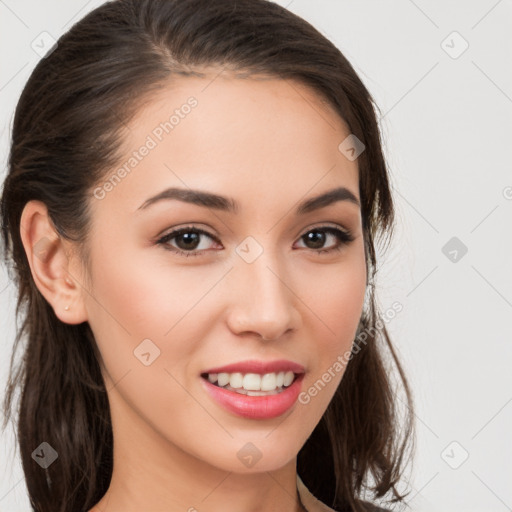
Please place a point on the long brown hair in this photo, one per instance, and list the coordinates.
(67, 133)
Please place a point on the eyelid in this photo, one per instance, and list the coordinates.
(325, 225)
(190, 226)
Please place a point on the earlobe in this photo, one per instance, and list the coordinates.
(50, 264)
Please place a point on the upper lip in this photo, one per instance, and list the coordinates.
(260, 367)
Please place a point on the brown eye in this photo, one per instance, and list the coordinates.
(317, 237)
(186, 240)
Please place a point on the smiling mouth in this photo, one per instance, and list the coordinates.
(252, 384)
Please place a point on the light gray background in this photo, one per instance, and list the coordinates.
(447, 129)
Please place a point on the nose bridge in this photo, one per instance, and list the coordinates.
(263, 301)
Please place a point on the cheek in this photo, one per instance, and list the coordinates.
(139, 310)
(335, 294)
(145, 297)
(125, 305)
(136, 299)
(336, 299)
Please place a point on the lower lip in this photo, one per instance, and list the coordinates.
(255, 407)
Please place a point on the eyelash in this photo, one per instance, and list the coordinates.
(344, 238)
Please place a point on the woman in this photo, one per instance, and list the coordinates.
(193, 196)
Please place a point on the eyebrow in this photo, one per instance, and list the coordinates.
(227, 204)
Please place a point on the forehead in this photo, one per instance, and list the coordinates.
(253, 136)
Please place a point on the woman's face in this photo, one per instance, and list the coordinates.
(249, 283)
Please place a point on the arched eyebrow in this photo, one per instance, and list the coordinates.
(227, 204)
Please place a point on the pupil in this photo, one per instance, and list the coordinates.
(317, 237)
(190, 239)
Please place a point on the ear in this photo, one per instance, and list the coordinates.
(52, 264)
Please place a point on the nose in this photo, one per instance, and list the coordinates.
(262, 299)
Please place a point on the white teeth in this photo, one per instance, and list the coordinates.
(268, 382)
(253, 384)
(236, 380)
(288, 378)
(223, 379)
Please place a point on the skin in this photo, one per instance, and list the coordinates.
(268, 144)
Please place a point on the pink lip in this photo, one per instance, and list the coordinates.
(260, 367)
(255, 407)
